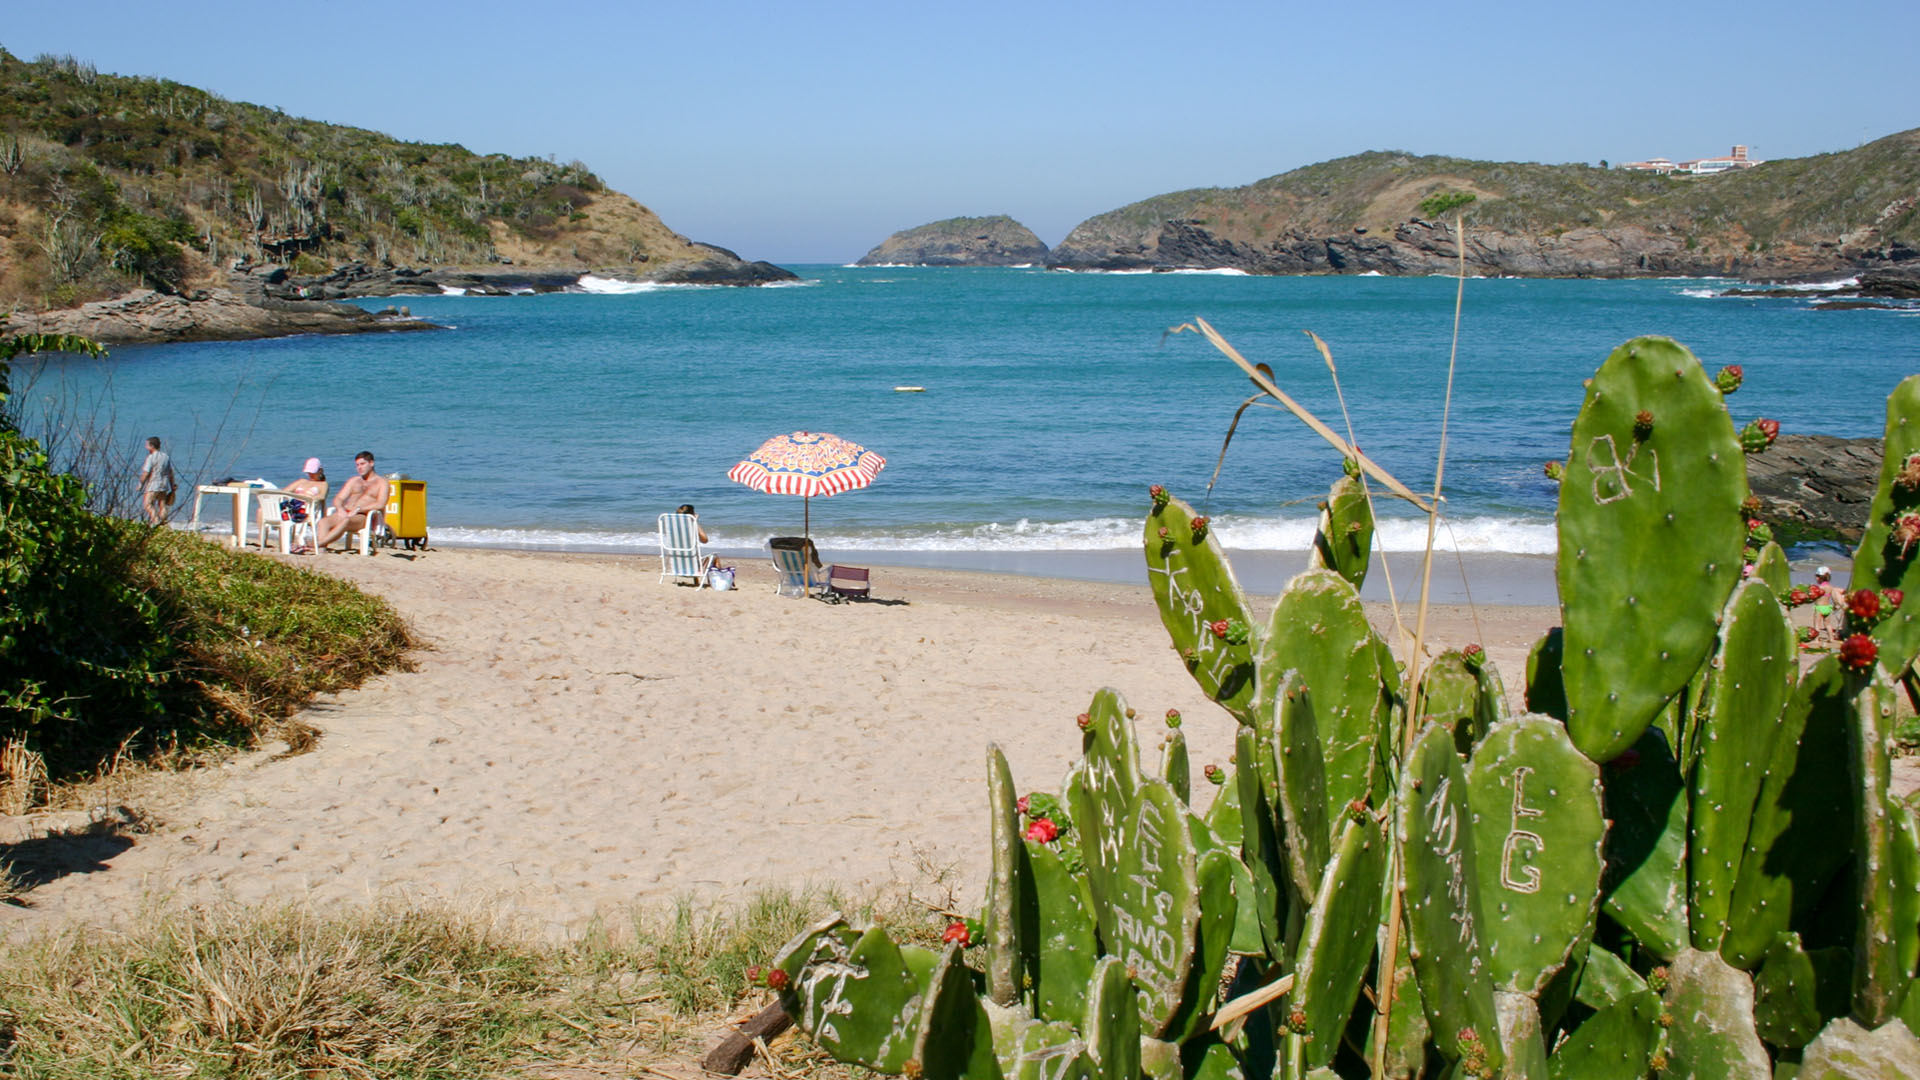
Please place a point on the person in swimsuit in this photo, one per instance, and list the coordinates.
(1825, 605)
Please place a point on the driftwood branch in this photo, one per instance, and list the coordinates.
(736, 1049)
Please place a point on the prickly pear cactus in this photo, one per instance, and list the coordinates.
(1749, 681)
(1646, 878)
(1064, 944)
(1155, 908)
(1201, 604)
(1109, 774)
(1546, 693)
(1010, 891)
(1319, 630)
(1450, 696)
(1796, 992)
(1344, 541)
(855, 992)
(1651, 532)
(1112, 1025)
(1771, 567)
(1710, 1011)
(1443, 913)
(1302, 794)
(1804, 805)
(1538, 829)
(1338, 943)
(1889, 553)
(1887, 944)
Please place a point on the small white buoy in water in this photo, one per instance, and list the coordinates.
(909, 389)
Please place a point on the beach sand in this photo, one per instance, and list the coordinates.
(579, 736)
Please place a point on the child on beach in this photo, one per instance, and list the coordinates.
(1826, 602)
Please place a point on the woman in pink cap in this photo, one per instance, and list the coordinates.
(312, 486)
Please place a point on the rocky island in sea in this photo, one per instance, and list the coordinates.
(962, 241)
(1825, 216)
(137, 210)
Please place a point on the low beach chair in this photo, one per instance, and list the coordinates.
(680, 554)
(848, 581)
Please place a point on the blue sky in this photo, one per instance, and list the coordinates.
(806, 132)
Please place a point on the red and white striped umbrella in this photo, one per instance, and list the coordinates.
(808, 463)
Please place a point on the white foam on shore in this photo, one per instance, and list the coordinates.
(452, 290)
(1215, 271)
(605, 286)
(1486, 535)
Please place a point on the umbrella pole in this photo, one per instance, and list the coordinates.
(806, 530)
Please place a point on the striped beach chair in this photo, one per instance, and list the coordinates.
(680, 554)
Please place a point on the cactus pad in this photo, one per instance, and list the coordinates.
(1444, 926)
(1338, 942)
(1538, 830)
(1712, 1032)
(1645, 886)
(1796, 992)
(1155, 906)
(1750, 680)
(1319, 630)
(1344, 541)
(1063, 946)
(854, 993)
(1302, 794)
(954, 1040)
(1109, 776)
(1450, 696)
(1112, 1025)
(1887, 946)
(1651, 531)
(1009, 891)
(1546, 694)
(1887, 557)
(1804, 805)
(1194, 587)
(1771, 567)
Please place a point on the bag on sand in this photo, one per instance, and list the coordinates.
(720, 577)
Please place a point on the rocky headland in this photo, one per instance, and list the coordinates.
(1796, 219)
(961, 241)
(146, 317)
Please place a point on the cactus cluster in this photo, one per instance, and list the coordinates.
(1682, 860)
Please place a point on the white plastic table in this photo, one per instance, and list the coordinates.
(242, 501)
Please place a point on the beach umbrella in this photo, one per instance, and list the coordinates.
(808, 463)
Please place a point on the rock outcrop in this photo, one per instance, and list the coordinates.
(1815, 487)
(145, 317)
(961, 241)
(706, 265)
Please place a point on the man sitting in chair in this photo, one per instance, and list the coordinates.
(365, 493)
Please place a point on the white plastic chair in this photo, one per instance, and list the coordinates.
(680, 554)
(272, 519)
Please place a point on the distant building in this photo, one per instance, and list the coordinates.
(1700, 167)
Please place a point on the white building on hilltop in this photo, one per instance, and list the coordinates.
(1701, 167)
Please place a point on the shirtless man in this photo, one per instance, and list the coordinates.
(366, 491)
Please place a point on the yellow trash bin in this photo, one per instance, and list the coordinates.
(407, 512)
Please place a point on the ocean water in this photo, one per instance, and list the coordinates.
(1052, 401)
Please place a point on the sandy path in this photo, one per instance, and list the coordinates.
(580, 736)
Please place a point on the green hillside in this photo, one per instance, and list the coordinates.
(108, 182)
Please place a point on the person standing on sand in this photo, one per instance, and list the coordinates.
(156, 482)
(366, 492)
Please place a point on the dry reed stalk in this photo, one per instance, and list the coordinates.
(23, 776)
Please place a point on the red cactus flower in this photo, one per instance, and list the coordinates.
(1215, 774)
(1199, 526)
(776, 979)
(1173, 718)
(1157, 492)
(1729, 379)
(1908, 478)
(1021, 805)
(1084, 721)
(1642, 424)
(1893, 598)
(1859, 652)
(1473, 656)
(957, 931)
(754, 973)
(1164, 534)
(1043, 831)
(1219, 628)
(1816, 590)
(1771, 428)
(1863, 604)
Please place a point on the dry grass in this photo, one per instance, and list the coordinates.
(402, 992)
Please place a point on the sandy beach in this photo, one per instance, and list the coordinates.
(578, 736)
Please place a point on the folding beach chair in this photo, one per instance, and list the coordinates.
(798, 575)
(680, 554)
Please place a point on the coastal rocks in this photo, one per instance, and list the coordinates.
(145, 317)
(705, 264)
(1815, 486)
(961, 241)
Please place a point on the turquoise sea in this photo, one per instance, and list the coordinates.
(1052, 401)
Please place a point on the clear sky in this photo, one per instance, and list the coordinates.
(807, 132)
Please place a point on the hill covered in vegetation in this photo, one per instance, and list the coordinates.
(111, 183)
(963, 241)
(1393, 213)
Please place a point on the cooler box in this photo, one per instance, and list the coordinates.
(407, 512)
